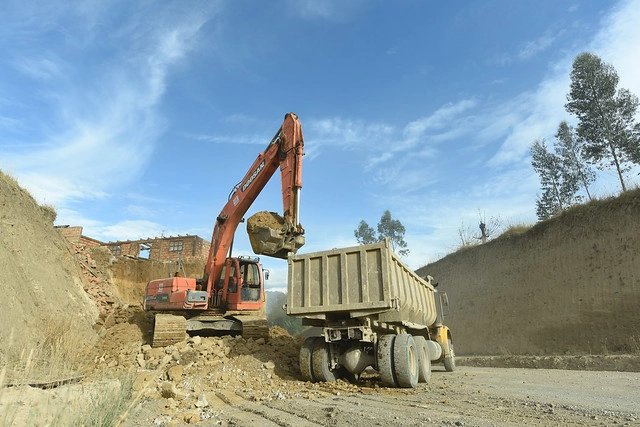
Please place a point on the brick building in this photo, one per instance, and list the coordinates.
(172, 248)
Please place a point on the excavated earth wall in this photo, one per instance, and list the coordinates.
(130, 275)
(41, 285)
(569, 285)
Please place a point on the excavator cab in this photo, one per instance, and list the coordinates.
(245, 284)
(271, 235)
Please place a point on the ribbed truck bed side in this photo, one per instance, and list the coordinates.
(366, 280)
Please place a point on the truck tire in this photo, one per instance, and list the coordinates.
(320, 362)
(384, 359)
(306, 352)
(405, 361)
(450, 359)
(424, 360)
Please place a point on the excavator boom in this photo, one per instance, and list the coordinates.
(269, 233)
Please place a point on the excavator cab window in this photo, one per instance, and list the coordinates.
(251, 282)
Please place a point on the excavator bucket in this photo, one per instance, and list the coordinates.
(270, 235)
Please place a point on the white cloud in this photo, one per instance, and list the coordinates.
(347, 134)
(617, 43)
(173, 45)
(534, 47)
(332, 10)
(527, 50)
(229, 139)
(101, 124)
(40, 68)
(530, 116)
(128, 230)
(9, 123)
(312, 9)
(443, 118)
(381, 158)
(419, 137)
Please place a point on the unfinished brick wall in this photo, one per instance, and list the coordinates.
(74, 235)
(127, 248)
(162, 249)
(184, 247)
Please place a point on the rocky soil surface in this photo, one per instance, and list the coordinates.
(233, 382)
(230, 381)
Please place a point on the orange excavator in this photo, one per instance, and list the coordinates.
(230, 297)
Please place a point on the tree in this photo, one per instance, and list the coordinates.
(606, 115)
(568, 148)
(387, 228)
(467, 239)
(365, 234)
(487, 230)
(558, 184)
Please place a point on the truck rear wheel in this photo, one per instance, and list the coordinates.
(321, 362)
(450, 359)
(424, 359)
(306, 352)
(384, 358)
(405, 361)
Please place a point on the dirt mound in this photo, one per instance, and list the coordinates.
(40, 282)
(188, 382)
(264, 219)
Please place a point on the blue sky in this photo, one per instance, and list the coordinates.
(135, 119)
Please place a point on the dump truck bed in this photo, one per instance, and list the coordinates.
(358, 281)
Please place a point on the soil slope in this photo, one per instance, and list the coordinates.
(570, 285)
(40, 281)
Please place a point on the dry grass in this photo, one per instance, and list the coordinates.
(8, 180)
(27, 372)
(106, 404)
(515, 230)
(56, 355)
(50, 212)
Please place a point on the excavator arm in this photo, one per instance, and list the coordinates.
(269, 233)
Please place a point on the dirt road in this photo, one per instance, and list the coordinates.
(471, 396)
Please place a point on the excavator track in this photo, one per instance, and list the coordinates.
(254, 327)
(168, 329)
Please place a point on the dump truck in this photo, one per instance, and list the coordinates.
(373, 311)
